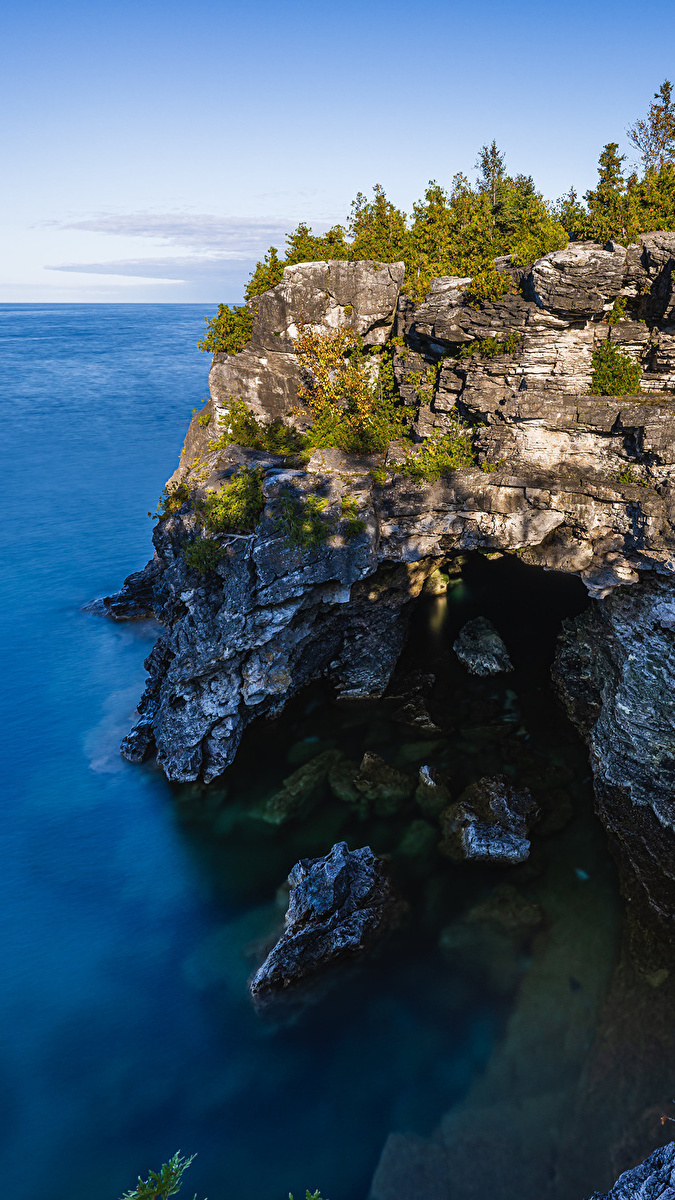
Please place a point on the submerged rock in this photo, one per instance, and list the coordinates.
(383, 786)
(488, 823)
(339, 906)
(432, 793)
(480, 648)
(653, 1179)
(300, 791)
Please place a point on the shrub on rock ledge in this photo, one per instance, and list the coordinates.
(614, 373)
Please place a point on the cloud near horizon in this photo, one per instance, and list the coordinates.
(188, 269)
(238, 237)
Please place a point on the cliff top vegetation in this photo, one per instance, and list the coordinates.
(461, 231)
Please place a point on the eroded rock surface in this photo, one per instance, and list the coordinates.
(339, 906)
(480, 648)
(571, 482)
(615, 672)
(489, 823)
(654, 1179)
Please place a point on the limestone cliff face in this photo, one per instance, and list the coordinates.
(242, 638)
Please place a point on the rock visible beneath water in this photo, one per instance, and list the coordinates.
(480, 648)
(339, 906)
(432, 793)
(385, 788)
(341, 778)
(508, 910)
(654, 1179)
(489, 823)
(416, 714)
(300, 791)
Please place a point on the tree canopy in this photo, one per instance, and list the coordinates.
(462, 231)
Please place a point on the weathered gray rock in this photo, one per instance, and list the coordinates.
(243, 638)
(339, 906)
(489, 823)
(480, 648)
(653, 1179)
(357, 295)
(615, 672)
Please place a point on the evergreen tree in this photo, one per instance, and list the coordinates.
(654, 137)
(378, 229)
(491, 167)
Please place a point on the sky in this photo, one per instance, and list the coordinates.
(152, 152)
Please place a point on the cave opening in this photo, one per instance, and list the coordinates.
(467, 1036)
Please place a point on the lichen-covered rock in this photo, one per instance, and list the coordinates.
(615, 672)
(653, 1179)
(480, 648)
(339, 906)
(489, 823)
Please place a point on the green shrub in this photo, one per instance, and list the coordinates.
(490, 347)
(229, 331)
(614, 373)
(350, 513)
(300, 521)
(617, 312)
(439, 455)
(204, 419)
(172, 499)
(238, 506)
(242, 428)
(488, 284)
(160, 1186)
(353, 409)
(202, 555)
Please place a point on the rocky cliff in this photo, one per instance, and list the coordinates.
(567, 480)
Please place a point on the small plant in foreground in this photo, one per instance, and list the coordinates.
(159, 1186)
(439, 455)
(203, 555)
(229, 331)
(350, 512)
(238, 506)
(242, 428)
(299, 519)
(614, 373)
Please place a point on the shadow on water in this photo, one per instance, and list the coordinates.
(464, 1039)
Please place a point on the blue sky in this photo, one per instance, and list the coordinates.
(151, 152)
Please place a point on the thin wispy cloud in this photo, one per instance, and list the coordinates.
(190, 269)
(236, 236)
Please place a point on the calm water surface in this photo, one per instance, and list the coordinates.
(132, 911)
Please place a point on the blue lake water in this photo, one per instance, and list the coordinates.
(128, 906)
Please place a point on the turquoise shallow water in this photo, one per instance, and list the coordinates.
(129, 908)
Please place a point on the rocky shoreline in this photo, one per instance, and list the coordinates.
(564, 480)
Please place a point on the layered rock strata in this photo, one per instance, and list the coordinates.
(568, 481)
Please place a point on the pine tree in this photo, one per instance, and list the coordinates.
(654, 137)
(492, 170)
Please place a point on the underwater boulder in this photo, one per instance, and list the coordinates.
(432, 794)
(383, 786)
(480, 648)
(489, 823)
(299, 792)
(338, 907)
